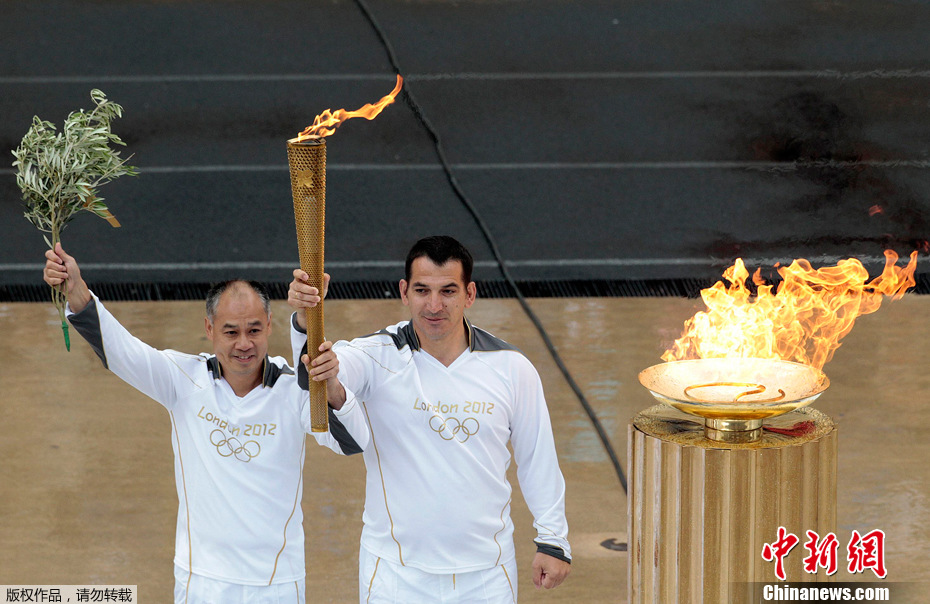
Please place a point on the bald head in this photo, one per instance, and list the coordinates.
(237, 287)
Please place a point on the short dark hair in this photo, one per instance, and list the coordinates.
(440, 249)
(218, 289)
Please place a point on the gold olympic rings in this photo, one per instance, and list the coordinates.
(754, 389)
(227, 447)
(450, 427)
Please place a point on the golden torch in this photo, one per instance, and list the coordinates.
(306, 157)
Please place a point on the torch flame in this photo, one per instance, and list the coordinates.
(327, 122)
(802, 321)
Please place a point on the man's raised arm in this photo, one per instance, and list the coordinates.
(347, 424)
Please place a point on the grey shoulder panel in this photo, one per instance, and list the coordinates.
(273, 372)
(482, 341)
(213, 366)
(87, 323)
(405, 336)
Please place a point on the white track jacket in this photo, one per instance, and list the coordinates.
(238, 461)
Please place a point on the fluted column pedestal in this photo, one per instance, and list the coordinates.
(700, 511)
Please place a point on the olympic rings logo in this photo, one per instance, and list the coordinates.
(451, 427)
(227, 447)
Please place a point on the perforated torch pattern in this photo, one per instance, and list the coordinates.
(307, 161)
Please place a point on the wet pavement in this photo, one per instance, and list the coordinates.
(87, 491)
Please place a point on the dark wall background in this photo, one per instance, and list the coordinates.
(599, 140)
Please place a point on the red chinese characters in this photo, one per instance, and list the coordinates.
(867, 551)
(863, 552)
(822, 553)
(779, 549)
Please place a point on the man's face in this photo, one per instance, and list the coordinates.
(239, 331)
(437, 297)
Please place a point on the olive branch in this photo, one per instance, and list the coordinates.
(59, 173)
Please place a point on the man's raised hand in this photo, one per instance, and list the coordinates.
(301, 295)
(62, 270)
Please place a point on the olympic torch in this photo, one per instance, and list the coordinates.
(307, 161)
(306, 157)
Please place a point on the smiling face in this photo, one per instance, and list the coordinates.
(239, 330)
(438, 296)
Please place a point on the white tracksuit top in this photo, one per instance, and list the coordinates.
(238, 461)
(437, 494)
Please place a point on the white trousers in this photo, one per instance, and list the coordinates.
(383, 582)
(197, 589)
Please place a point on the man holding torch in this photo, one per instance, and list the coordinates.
(239, 422)
(442, 399)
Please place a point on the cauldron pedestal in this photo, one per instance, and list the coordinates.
(700, 510)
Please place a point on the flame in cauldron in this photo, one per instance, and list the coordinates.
(802, 320)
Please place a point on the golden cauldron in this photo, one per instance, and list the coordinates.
(734, 395)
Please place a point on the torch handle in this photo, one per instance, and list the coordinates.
(311, 262)
(319, 406)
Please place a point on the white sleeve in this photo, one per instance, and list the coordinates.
(354, 369)
(348, 429)
(541, 480)
(146, 369)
